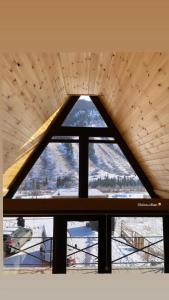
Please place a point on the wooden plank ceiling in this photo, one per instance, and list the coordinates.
(134, 87)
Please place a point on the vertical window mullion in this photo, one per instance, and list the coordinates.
(83, 167)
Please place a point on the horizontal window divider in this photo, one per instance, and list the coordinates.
(63, 141)
(83, 131)
(77, 141)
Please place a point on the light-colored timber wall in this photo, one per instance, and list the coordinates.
(134, 87)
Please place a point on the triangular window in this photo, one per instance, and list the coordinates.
(84, 114)
(81, 161)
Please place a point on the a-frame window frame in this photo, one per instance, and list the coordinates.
(84, 133)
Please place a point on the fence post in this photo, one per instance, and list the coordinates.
(51, 252)
(166, 243)
(59, 245)
(104, 245)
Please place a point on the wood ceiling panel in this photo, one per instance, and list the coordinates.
(29, 96)
(134, 88)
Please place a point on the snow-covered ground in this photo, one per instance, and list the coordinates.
(30, 254)
(84, 239)
(73, 192)
(82, 243)
(150, 229)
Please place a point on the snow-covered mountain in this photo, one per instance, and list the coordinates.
(85, 114)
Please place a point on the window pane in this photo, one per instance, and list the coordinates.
(55, 174)
(28, 244)
(65, 137)
(84, 114)
(137, 243)
(110, 174)
(82, 246)
(101, 138)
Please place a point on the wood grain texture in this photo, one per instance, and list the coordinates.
(134, 88)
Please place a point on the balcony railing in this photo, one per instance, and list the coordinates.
(139, 252)
(36, 254)
(83, 251)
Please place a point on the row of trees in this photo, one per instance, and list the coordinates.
(67, 181)
(36, 184)
(118, 182)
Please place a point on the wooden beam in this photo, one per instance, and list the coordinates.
(124, 147)
(46, 207)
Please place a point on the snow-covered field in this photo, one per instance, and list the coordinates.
(82, 244)
(73, 192)
(85, 239)
(138, 227)
(30, 254)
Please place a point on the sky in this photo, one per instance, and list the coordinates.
(84, 97)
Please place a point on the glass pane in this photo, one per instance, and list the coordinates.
(110, 174)
(84, 114)
(27, 244)
(55, 174)
(137, 243)
(65, 137)
(101, 138)
(82, 246)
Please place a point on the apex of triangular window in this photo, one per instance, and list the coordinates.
(84, 114)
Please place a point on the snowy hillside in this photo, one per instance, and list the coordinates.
(84, 114)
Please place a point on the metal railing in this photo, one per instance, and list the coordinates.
(40, 257)
(147, 254)
(82, 253)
